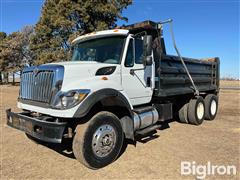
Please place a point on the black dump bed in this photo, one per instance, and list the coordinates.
(171, 78)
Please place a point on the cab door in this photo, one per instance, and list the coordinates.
(136, 79)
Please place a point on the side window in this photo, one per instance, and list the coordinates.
(138, 51)
(129, 61)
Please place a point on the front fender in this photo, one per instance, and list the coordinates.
(99, 95)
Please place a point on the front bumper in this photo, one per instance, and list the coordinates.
(67, 113)
(40, 129)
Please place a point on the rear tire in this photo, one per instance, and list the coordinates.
(98, 142)
(183, 114)
(211, 104)
(196, 111)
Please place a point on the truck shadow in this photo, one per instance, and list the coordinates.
(147, 137)
(65, 148)
(152, 135)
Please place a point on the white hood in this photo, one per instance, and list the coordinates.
(81, 72)
(82, 69)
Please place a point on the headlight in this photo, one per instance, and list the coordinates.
(66, 100)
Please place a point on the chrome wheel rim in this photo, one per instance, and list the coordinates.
(200, 110)
(213, 107)
(104, 140)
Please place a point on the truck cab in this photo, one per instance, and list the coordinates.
(118, 84)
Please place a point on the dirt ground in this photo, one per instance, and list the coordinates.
(216, 141)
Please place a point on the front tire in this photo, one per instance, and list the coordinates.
(98, 142)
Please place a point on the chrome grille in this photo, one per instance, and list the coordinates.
(37, 86)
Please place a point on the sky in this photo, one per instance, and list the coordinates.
(202, 28)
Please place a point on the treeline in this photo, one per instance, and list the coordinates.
(60, 22)
(229, 78)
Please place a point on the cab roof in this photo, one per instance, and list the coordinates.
(99, 34)
(147, 26)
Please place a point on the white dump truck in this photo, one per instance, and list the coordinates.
(119, 84)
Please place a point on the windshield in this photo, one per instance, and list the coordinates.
(104, 50)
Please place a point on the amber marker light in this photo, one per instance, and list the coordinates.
(104, 78)
(81, 96)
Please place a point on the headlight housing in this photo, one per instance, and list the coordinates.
(66, 100)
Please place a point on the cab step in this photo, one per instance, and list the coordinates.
(145, 131)
(140, 110)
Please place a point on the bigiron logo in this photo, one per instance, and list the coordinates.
(201, 171)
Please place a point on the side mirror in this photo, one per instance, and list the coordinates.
(147, 45)
(148, 61)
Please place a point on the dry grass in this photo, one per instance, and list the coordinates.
(224, 83)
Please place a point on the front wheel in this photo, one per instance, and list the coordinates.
(98, 142)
